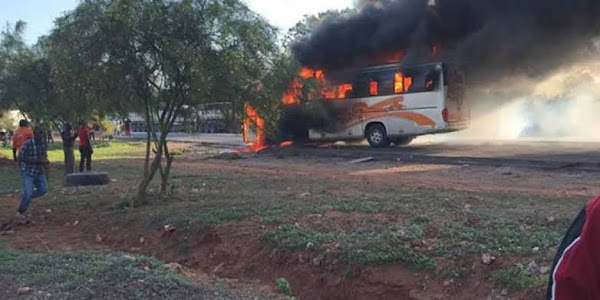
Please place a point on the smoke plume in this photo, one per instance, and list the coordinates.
(490, 39)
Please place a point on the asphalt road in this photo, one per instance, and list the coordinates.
(544, 154)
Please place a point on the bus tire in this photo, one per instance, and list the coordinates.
(377, 136)
(403, 141)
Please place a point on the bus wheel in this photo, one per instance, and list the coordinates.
(377, 136)
(403, 141)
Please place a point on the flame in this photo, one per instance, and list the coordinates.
(373, 88)
(429, 85)
(402, 83)
(286, 144)
(407, 83)
(344, 89)
(386, 58)
(398, 83)
(292, 96)
(294, 92)
(254, 124)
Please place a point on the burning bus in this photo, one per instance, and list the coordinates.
(384, 104)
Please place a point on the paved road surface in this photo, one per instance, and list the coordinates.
(526, 153)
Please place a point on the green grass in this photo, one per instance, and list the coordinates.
(374, 223)
(102, 151)
(517, 278)
(97, 276)
(505, 224)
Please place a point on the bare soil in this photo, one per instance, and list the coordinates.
(237, 251)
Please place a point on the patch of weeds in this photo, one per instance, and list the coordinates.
(506, 237)
(123, 204)
(289, 236)
(284, 286)
(212, 217)
(367, 248)
(517, 278)
(100, 145)
(102, 276)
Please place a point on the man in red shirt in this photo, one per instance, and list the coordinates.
(85, 148)
(22, 135)
(576, 273)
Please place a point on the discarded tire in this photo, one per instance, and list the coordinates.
(88, 179)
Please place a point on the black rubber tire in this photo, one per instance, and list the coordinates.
(377, 136)
(87, 179)
(403, 141)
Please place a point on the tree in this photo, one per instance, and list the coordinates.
(166, 55)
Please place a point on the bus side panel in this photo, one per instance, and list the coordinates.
(348, 119)
(407, 114)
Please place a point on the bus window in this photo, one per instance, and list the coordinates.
(345, 91)
(423, 79)
(373, 88)
(398, 83)
(402, 83)
(407, 83)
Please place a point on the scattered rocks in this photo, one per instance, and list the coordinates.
(467, 207)
(98, 238)
(487, 259)
(316, 261)
(142, 240)
(75, 223)
(128, 257)
(532, 267)
(550, 219)
(175, 267)
(24, 290)
(504, 292)
(169, 228)
(544, 270)
(305, 195)
(536, 249)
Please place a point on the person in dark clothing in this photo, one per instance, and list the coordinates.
(85, 148)
(50, 137)
(127, 127)
(34, 166)
(68, 137)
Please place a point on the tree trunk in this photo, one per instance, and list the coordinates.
(141, 197)
(167, 171)
(69, 159)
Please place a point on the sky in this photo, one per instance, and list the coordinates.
(40, 14)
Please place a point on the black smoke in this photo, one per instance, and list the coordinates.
(488, 38)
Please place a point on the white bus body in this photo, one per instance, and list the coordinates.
(394, 104)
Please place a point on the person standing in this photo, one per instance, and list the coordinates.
(34, 167)
(22, 135)
(128, 128)
(85, 148)
(68, 138)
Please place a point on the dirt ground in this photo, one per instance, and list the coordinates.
(215, 225)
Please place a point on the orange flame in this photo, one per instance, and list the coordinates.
(294, 92)
(292, 96)
(286, 144)
(402, 83)
(373, 88)
(344, 89)
(398, 83)
(254, 130)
